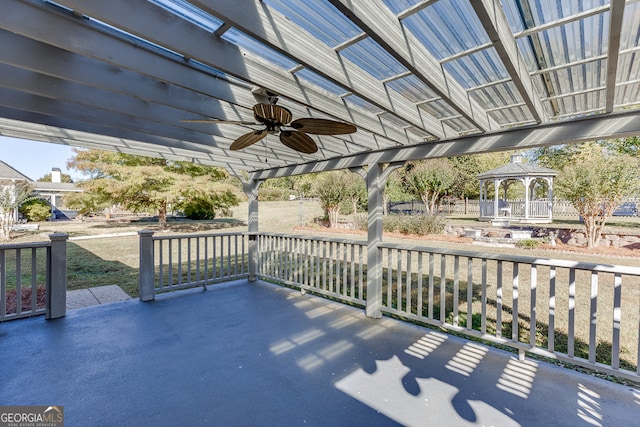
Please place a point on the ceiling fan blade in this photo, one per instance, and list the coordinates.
(248, 139)
(298, 141)
(272, 112)
(231, 122)
(323, 126)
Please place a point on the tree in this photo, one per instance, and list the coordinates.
(629, 145)
(66, 178)
(394, 190)
(143, 183)
(556, 157)
(12, 196)
(199, 206)
(596, 180)
(331, 190)
(355, 192)
(469, 166)
(430, 180)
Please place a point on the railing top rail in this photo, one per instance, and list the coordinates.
(578, 265)
(302, 236)
(196, 235)
(25, 245)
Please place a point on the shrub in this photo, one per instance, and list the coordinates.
(528, 243)
(423, 224)
(269, 194)
(209, 206)
(35, 210)
(410, 224)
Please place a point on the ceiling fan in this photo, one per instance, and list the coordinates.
(277, 119)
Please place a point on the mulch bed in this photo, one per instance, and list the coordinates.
(41, 299)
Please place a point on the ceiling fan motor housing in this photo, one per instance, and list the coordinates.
(272, 116)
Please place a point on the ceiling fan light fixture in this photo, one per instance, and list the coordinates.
(275, 118)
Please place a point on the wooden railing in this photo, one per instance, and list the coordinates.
(334, 268)
(175, 262)
(584, 313)
(33, 279)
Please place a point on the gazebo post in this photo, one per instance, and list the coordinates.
(550, 197)
(527, 196)
(496, 197)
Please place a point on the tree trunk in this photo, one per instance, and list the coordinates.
(591, 230)
(385, 204)
(162, 216)
(425, 200)
(333, 216)
(6, 224)
(594, 226)
(355, 207)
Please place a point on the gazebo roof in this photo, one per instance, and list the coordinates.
(517, 168)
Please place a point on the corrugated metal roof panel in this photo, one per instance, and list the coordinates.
(447, 27)
(497, 95)
(369, 56)
(319, 18)
(477, 68)
(412, 88)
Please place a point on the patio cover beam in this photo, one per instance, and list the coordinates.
(615, 125)
(153, 23)
(266, 25)
(27, 125)
(69, 66)
(495, 23)
(114, 48)
(124, 112)
(613, 52)
(387, 30)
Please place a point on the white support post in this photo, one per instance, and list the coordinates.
(250, 188)
(376, 178)
(57, 283)
(146, 273)
(374, 227)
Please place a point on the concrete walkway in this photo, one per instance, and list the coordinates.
(81, 298)
(256, 354)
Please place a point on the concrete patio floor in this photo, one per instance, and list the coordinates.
(255, 354)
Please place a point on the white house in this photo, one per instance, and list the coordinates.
(53, 192)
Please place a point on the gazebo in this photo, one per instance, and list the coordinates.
(496, 204)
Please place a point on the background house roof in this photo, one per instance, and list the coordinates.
(8, 172)
(419, 78)
(55, 187)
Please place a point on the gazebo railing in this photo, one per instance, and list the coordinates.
(515, 209)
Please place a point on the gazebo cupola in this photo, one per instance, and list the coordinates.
(517, 192)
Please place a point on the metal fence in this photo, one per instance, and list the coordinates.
(33, 279)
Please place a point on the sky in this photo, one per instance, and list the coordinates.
(35, 159)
